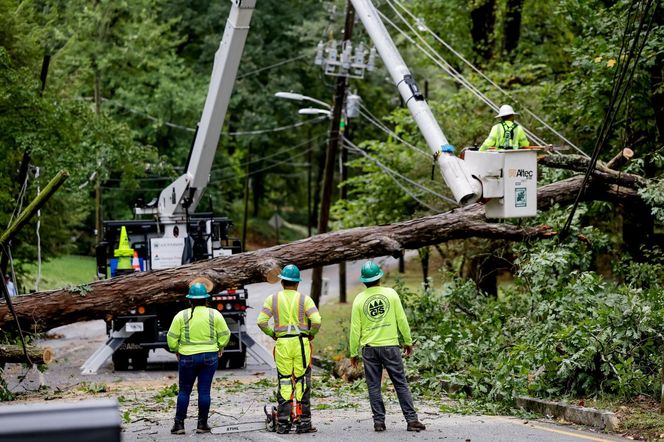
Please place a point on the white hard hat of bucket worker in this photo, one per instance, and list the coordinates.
(505, 111)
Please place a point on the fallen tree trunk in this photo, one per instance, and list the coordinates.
(37, 355)
(102, 299)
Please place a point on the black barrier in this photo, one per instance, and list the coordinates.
(85, 421)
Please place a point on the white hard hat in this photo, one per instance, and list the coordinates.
(505, 111)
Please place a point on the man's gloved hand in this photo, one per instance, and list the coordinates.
(407, 350)
(354, 361)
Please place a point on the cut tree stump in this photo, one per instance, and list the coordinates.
(104, 299)
(14, 353)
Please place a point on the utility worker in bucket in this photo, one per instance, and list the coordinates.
(507, 134)
(197, 336)
(296, 322)
(377, 320)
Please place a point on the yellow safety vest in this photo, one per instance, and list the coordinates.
(292, 312)
(203, 331)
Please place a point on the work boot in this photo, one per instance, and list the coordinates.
(203, 426)
(305, 428)
(283, 429)
(178, 427)
(379, 426)
(415, 426)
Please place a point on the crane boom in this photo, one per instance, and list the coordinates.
(464, 187)
(186, 191)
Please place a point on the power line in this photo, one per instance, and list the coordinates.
(234, 133)
(396, 181)
(395, 173)
(618, 91)
(494, 84)
(272, 66)
(373, 120)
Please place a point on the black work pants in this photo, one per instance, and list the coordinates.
(285, 406)
(389, 358)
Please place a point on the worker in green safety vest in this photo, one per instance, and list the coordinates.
(197, 336)
(296, 322)
(377, 322)
(507, 134)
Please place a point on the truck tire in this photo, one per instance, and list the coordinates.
(237, 360)
(139, 360)
(120, 361)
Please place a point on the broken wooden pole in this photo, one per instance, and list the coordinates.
(619, 160)
(33, 207)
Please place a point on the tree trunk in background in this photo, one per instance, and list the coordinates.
(425, 253)
(512, 28)
(483, 23)
(257, 182)
(320, 156)
(656, 79)
(638, 229)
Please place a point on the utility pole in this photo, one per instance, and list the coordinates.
(246, 201)
(310, 158)
(343, 196)
(330, 156)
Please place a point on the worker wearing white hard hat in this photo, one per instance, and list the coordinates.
(507, 134)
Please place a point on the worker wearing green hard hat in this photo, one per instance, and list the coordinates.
(290, 273)
(370, 272)
(296, 322)
(377, 321)
(198, 291)
(197, 336)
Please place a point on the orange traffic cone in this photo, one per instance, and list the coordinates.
(135, 262)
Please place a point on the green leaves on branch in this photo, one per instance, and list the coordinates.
(579, 335)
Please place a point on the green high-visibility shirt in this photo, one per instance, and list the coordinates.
(377, 320)
(292, 313)
(204, 332)
(505, 135)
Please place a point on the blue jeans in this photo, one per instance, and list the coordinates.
(190, 367)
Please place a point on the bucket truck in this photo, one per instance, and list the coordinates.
(176, 235)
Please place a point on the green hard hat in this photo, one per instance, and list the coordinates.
(290, 273)
(198, 291)
(370, 272)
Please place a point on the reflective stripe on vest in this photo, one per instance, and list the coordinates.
(302, 325)
(187, 338)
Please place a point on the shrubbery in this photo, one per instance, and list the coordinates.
(560, 330)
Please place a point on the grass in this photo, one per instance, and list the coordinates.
(639, 417)
(59, 272)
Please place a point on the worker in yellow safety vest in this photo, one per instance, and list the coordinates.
(507, 134)
(197, 336)
(296, 322)
(377, 321)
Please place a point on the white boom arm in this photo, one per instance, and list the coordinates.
(465, 188)
(186, 191)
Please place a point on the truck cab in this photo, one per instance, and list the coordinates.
(147, 325)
